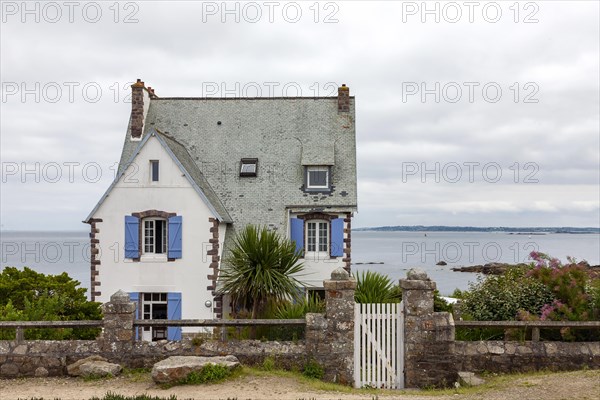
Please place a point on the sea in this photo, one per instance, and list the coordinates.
(392, 253)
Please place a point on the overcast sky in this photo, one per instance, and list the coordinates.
(480, 113)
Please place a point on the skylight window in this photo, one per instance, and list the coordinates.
(248, 166)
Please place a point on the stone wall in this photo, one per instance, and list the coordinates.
(504, 357)
(432, 356)
(50, 358)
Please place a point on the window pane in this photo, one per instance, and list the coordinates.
(317, 178)
(323, 236)
(312, 236)
(248, 168)
(154, 165)
(148, 236)
(158, 233)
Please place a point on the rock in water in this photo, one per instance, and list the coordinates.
(176, 368)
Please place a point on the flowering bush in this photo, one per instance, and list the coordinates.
(576, 295)
(571, 287)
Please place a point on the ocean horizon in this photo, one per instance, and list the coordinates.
(389, 252)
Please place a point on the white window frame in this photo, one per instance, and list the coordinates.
(321, 168)
(321, 233)
(148, 301)
(149, 224)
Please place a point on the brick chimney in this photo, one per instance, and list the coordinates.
(343, 98)
(137, 109)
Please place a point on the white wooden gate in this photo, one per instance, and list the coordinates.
(379, 345)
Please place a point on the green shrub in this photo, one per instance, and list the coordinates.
(501, 297)
(26, 295)
(314, 370)
(208, 374)
(374, 287)
(299, 309)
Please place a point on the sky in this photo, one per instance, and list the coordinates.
(467, 113)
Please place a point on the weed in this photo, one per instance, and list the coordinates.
(313, 369)
(268, 364)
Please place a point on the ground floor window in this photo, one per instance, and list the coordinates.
(154, 306)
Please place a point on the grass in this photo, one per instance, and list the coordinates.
(493, 382)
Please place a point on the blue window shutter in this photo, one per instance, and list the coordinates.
(337, 237)
(174, 247)
(174, 313)
(297, 233)
(132, 237)
(135, 297)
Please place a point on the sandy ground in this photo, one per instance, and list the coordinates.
(553, 386)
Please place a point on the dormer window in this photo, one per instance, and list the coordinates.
(154, 170)
(317, 178)
(248, 166)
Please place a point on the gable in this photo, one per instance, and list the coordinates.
(137, 173)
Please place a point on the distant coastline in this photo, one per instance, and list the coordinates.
(510, 230)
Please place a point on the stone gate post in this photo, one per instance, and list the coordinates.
(119, 314)
(330, 338)
(428, 335)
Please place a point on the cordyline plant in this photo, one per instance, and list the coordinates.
(262, 266)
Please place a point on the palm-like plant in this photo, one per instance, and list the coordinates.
(373, 287)
(262, 266)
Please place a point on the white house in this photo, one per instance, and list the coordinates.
(195, 170)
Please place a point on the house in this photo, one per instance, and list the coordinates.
(193, 171)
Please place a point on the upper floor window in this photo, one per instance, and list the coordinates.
(153, 232)
(155, 236)
(154, 170)
(317, 177)
(317, 236)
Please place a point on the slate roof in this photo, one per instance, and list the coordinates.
(212, 135)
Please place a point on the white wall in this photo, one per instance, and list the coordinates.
(173, 193)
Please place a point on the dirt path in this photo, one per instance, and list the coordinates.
(582, 385)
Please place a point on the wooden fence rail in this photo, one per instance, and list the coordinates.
(223, 323)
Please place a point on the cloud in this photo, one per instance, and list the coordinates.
(542, 125)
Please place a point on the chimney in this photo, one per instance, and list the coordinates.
(343, 98)
(137, 109)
